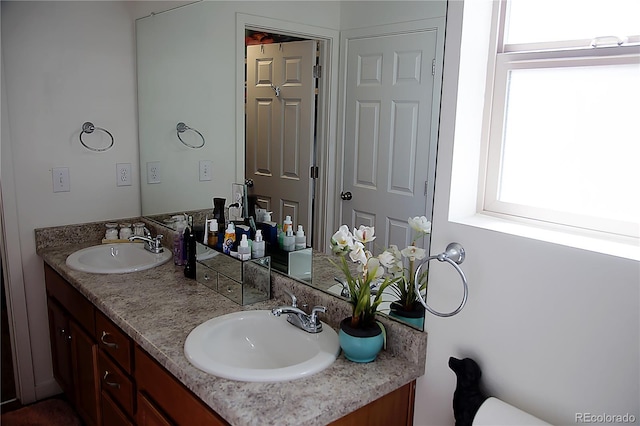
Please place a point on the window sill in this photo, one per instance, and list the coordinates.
(608, 244)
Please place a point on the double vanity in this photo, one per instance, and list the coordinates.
(118, 347)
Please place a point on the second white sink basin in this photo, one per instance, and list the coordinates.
(116, 258)
(256, 346)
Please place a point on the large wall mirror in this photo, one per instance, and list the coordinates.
(198, 135)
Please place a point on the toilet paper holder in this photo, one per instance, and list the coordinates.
(453, 255)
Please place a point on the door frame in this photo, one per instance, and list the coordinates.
(384, 30)
(326, 111)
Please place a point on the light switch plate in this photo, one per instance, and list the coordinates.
(205, 170)
(61, 181)
(153, 172)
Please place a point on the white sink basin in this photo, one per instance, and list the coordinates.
(256, 346)
(116, 258)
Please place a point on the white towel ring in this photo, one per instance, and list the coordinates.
(454, 255)
(88, 128)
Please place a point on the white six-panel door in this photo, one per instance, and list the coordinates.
(280, 129)
(388, 132)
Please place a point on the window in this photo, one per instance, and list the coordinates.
(563, 128)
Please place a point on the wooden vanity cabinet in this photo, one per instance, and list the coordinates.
(73, 350)
(113, 382)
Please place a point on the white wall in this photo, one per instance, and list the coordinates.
(65, 63)
(555, 329)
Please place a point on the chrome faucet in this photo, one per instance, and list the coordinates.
(345, 287)
(296, 316)
(153, 245)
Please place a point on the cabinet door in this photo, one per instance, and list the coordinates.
(83, 361)
(60, 347)
(111, 413)
(395, 408)
(148, 414)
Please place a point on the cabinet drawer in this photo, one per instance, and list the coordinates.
(175, 400)
(116, 383)
(69, 298)
(113, 341)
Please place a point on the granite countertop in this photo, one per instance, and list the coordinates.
(159, 307)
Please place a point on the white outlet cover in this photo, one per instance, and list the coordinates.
(123, 174)
(153, 172)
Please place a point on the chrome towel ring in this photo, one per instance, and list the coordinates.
(181, 128)
(454, 255)
(88, 128)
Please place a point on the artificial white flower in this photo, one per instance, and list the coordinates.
(414, 253)
(357, 253)
(387, 259)
(342, 239)
(420, 224)
(364, 234)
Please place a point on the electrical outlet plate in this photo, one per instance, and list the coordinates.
(205, 170)
(61, 181)
(123, 174)
(153, 172)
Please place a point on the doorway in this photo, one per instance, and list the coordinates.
(286, 125)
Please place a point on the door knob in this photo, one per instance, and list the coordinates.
(346, 195)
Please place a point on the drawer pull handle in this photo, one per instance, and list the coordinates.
(108, 383)
(108, 344)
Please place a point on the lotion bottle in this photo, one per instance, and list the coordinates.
(289, 241)
(287, 225)
(301, 240)
(212, 234)
(229, 238)
(257, 248)
(244, 251)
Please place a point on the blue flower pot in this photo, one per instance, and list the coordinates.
(414, 317)
(360, 345)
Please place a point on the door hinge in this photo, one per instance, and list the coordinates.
(313, 172)
(426, 187)
(317, 71)
(433, 67)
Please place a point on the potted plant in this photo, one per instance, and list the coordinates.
(361, 336)
(401, 264)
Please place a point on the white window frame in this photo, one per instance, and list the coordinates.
(504, 58)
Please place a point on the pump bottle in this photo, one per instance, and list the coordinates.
(257, 248)
(244, 251)
(301, 240)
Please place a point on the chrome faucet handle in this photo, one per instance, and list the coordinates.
(294, 299)
(313, 318)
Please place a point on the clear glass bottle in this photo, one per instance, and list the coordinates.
(112, 231)
(138, 229)
(125, 231)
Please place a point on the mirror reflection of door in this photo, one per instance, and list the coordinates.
(387, 134)
(280, 128)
